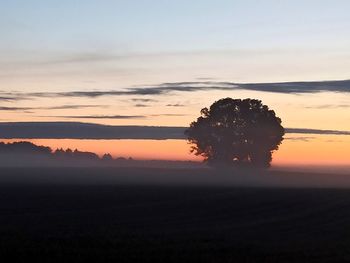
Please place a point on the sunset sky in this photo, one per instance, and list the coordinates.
(157, 63)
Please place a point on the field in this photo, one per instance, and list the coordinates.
(156, 215)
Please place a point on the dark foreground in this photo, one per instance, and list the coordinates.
(59, 220)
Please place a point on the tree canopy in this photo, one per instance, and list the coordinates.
(236, 132)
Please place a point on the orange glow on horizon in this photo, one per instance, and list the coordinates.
(314, 150)
(295, 149)
(137, 149)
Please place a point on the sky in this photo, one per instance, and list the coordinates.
(159, 62)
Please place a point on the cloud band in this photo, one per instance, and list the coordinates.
(78, 130)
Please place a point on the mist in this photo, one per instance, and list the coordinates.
(145, 174)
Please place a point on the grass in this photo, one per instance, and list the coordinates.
(120, 220)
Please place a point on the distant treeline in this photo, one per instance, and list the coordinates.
(19, 153)
(25, 154)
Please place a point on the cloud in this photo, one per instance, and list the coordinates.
(301, 138)
(141, 105)
(175, 105)
(278, 87)
(316, 131)
(100, 117)
(168, 114)
(300, 87)
(78, 130)
(328, 106)
(115, 116)
(170, 87)
(144, 100)
(67, 107)
(10, 99)
(160, 89)
(62, 107)
(15, 108)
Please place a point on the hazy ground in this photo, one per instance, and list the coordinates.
(173, 215)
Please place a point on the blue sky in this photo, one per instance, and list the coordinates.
(50, 29)
(66, 46)
(156, 26)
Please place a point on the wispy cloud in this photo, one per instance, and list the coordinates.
(175, 105)
(168, 114)
(328, 106)
(11, 98)
(143, 100)
(61, 107)
(301, 138)
(316, 131)
(100, 117)
(155, 90)
(166, 88)
(67, 107)
(15, 108)
(115, 116)
(300, 87)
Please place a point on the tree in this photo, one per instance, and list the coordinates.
(236, 132)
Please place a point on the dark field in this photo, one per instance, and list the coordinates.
(57, 215)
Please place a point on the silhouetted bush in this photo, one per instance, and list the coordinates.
(107, 157)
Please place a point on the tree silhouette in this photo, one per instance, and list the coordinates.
(236, 132)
